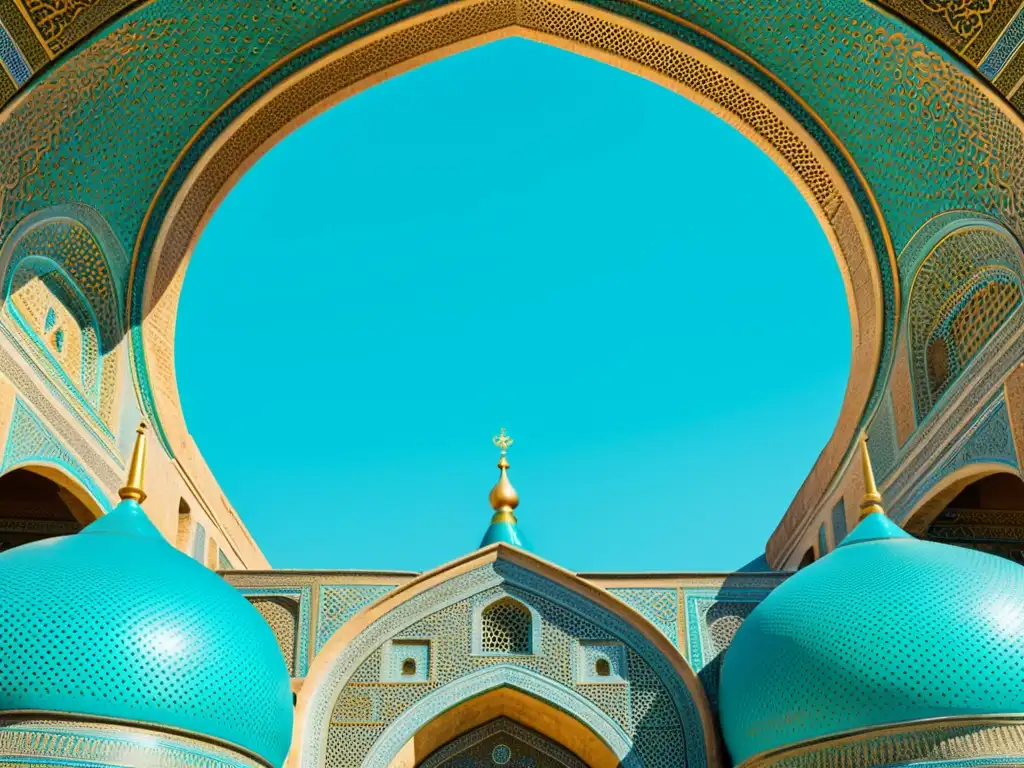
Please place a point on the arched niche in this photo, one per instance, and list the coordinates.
(980, 508)
(39, 501)
(966, 288)
(62, 307)
(355, 709)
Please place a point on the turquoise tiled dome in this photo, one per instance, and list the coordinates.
(115, 623)
(884, 630)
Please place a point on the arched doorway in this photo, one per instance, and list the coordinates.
(506, 726)
(35, 505)
(502, 741)
(987, 514)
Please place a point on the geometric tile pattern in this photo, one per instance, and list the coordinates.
(295, 595)
(29, 440)
(657, 716)
(340, 603)
(712, 618)
(406, 661)
(12, 59)
(658, 605)
(988, 439)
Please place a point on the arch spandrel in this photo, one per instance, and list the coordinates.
(442, 602)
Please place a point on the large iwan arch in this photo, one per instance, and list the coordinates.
(191, 95)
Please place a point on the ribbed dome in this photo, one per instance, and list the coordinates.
(115, 623)
(886, 629)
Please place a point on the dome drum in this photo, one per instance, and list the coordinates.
(36, 740)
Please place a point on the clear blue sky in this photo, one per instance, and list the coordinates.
(514, 236)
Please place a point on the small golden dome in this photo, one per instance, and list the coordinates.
(503, 496)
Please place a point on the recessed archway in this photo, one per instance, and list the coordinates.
(983, 511)
(669, 55)
(520, 708)
(40, 502)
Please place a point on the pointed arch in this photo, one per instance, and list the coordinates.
(63, 294)
(505, 689)
(968, 281)
(476, 577)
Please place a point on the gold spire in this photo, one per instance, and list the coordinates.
(504, 498)
(136, 469)
(872, 501)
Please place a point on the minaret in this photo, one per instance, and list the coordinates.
(504, 500)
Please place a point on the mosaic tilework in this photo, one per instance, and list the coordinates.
(1007, 80)
(712, 618)
(45, 742)
(658, 606)
(1005, 47)
(961, 294)
(56, 318)
(302, 596)
(340, 603)
(882, 440)
(55, 262)
(967, 744)
(965, 398)
(61, 24)
(839, 522)
(702, 644)
(282, 615)
(990, 439)
(660, 703)
(506, 628)
(601, 662)
(956, 23)
(763, 40)
(480, 749)
(30, 441)
(13, 59)
(539, 687)
(998, 532)
(406, 661)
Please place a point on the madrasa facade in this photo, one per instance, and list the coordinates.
(142, 625)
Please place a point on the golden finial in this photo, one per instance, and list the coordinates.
(504, 498)
(502, 441)
(872, 501)
(136, 469)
